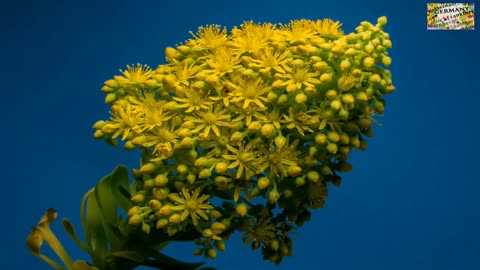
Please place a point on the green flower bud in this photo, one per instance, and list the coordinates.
(268, 130)
(205, 173)
(294, 170)
(145, 228)
(161, 223)
(332, 148)
(336, 105)
(300, 98)
(280, 141)
(155, 205)
(299, 181)
(263, 182)
(191, 178)
(197, 252)
(241, 209)
(218, 227)
(160, 193)
(220, 245)
(211, 253)
(325, 170)
(175, 219)
(363, 145)
(333, 136)
(369, 62)
(321, 138)
(98, 134)
(148, 184)
(138, 198)
(344, 167)
(273, 196)
(161, 180)
(348, 99)
(134, 210)
(135, 220)
(313, 176)
(182, 169)
(215, 214)
(148, 168)
(254, 126)
(282, 99)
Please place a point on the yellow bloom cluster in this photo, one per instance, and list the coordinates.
(267, 111)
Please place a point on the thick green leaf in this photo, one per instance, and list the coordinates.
(165, 262)
(112, 192)
(96, 237)
(130, 255)
(120, 187)
(108, 209)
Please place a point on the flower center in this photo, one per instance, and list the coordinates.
(191, 205)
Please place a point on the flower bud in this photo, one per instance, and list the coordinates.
(263, 182)
(313, 176)
(215, 214)
(138, 198)
(175, 219)
(321, 138)
(161, 180)
(211, 253)
(332, 148)
(268, 130)
(218, 227)
(205, 173)
(146, 228)
(273, 196)
(254, 126)
(220, 245)
(160, 193)
(155, 205)
(369, 62)
(241, 209)
(280, 141)
(148, 168)
(299, 181)
(161, 223)
(300, 98)
(294, 170)
(336, 105)
(135, 220)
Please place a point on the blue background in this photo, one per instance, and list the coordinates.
(411, 201)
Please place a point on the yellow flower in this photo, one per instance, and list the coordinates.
(299, 75)
(249, 90)
(193, 100)
(135, 75)
(211, 119)
(125, 119)
(298, 31)
(271, 58)
(251, 37)
(190, 204)
(328, 29)
(209, 37)
(279, 159)
(162, 139)
(246, 158)
(223, 60)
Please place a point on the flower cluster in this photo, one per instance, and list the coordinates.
(245, 131)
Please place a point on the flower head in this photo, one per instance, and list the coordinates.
(190, 204)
